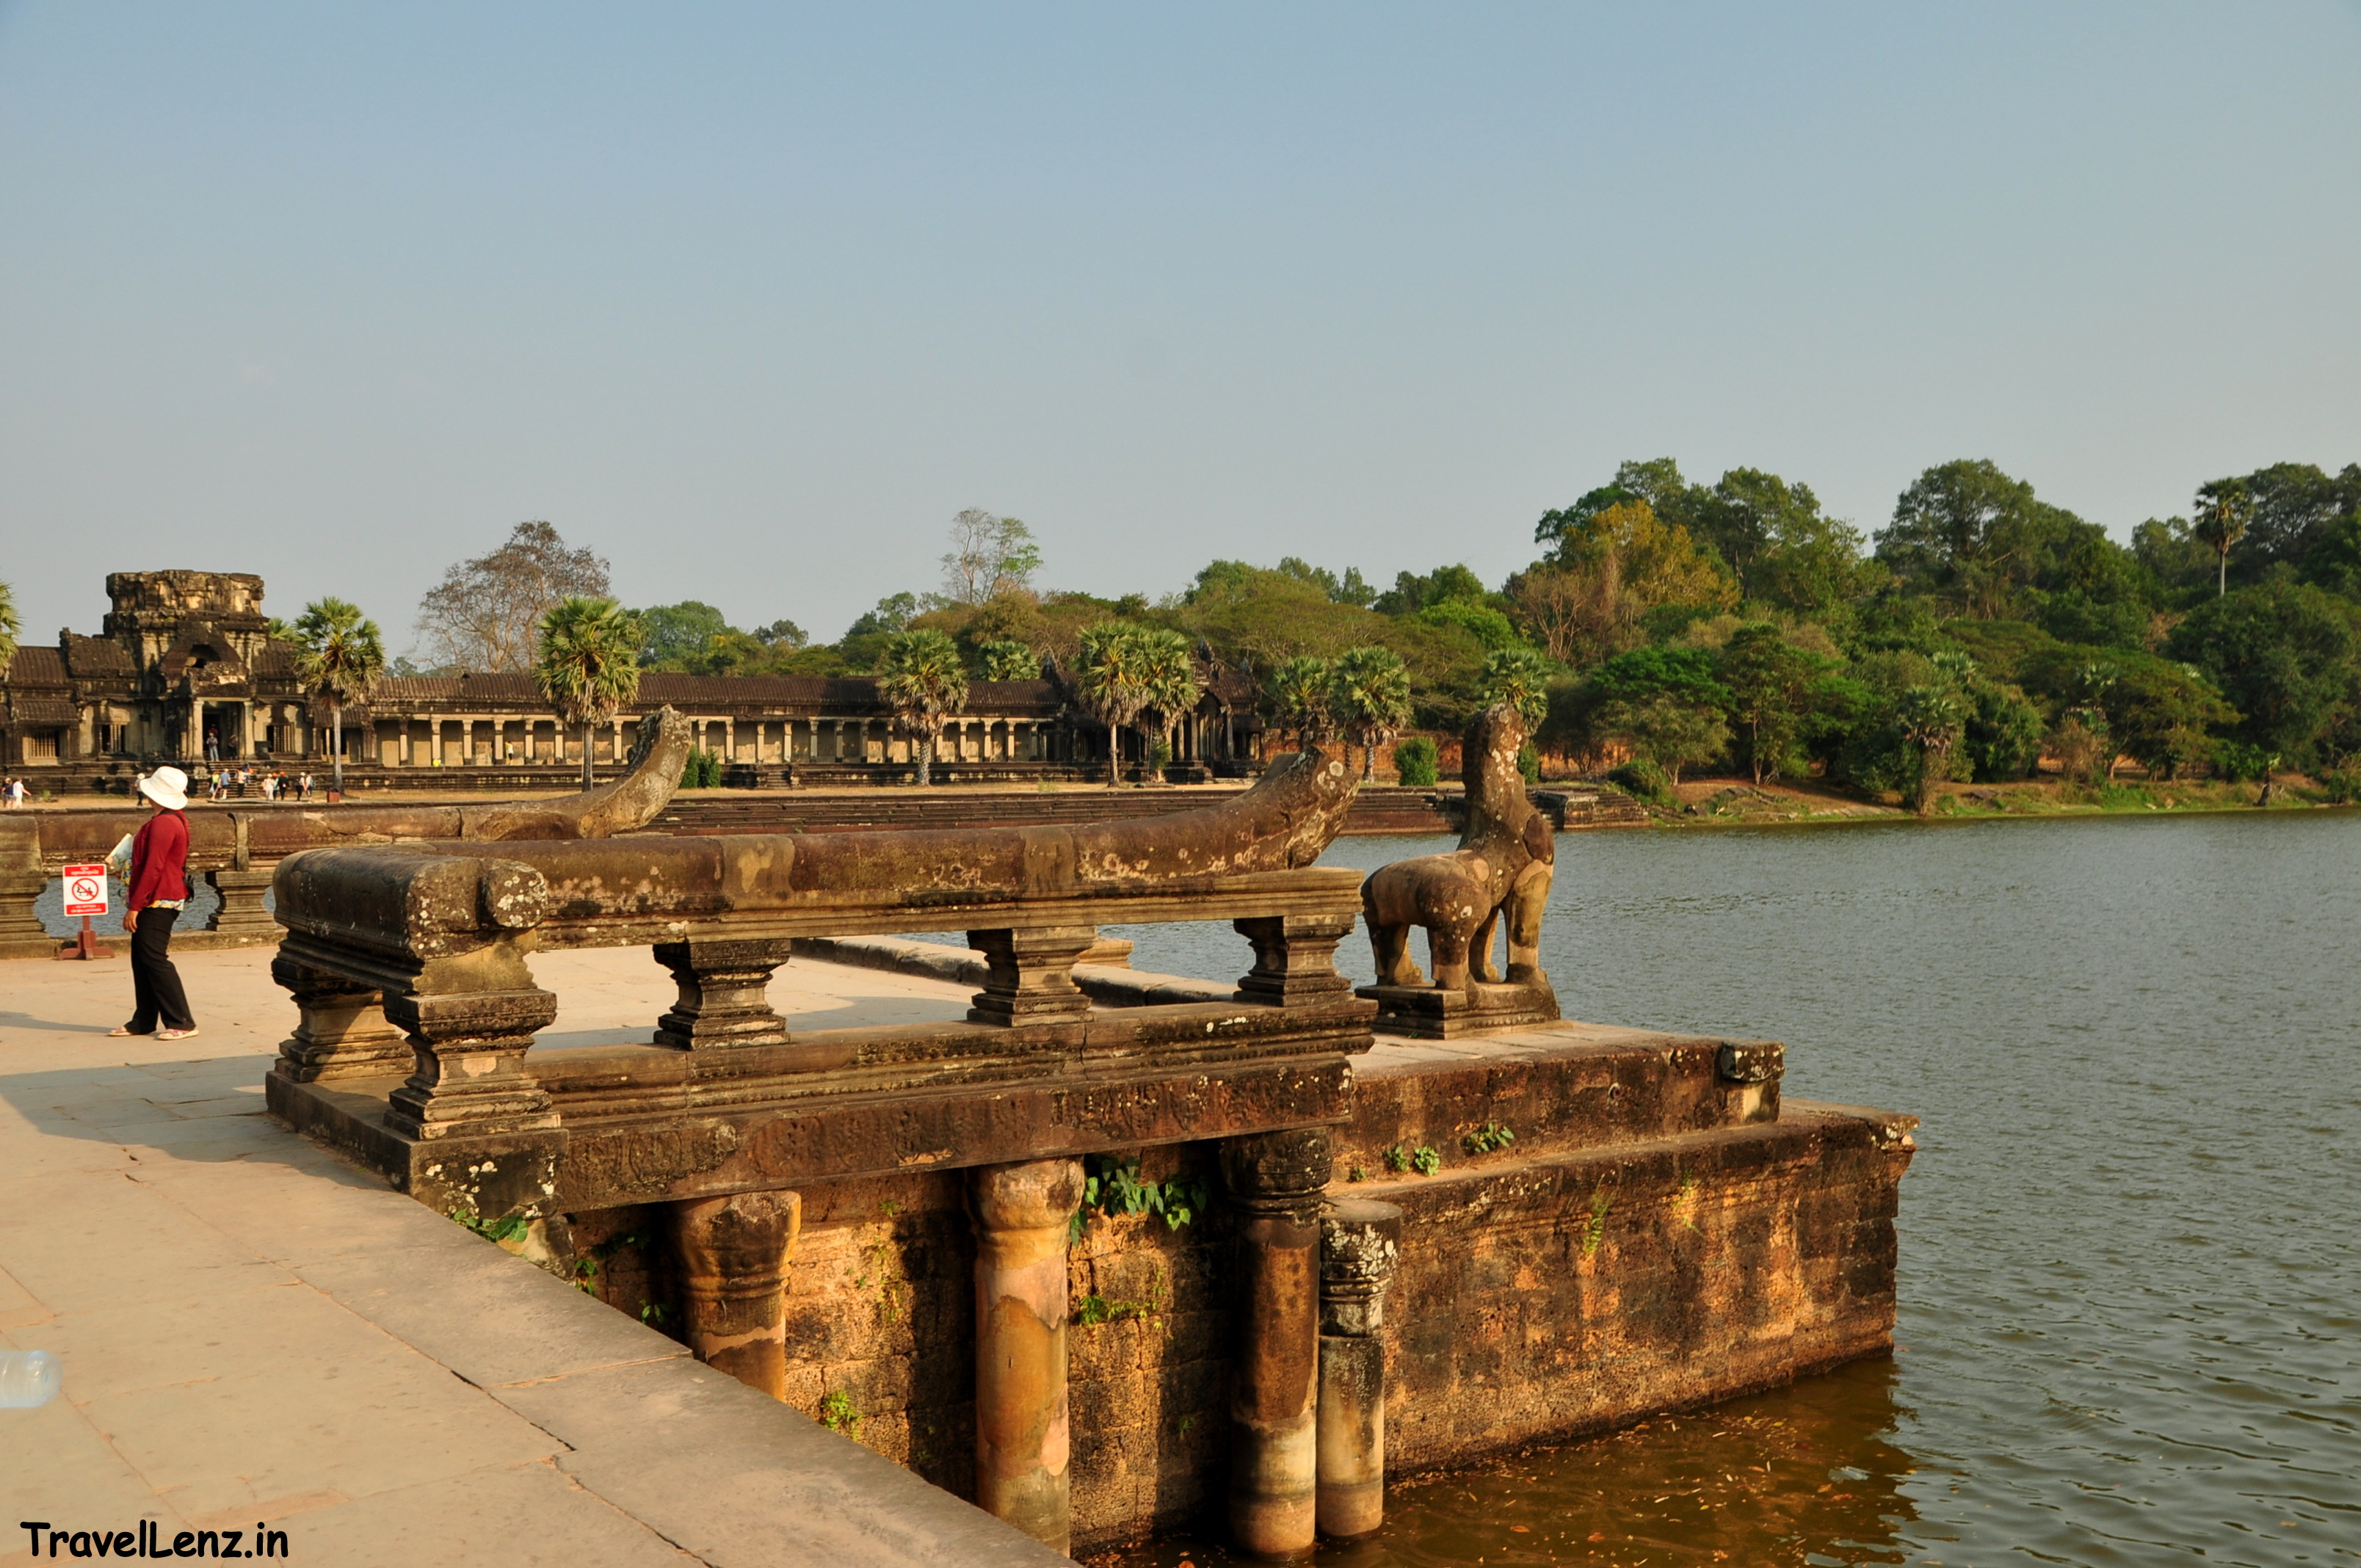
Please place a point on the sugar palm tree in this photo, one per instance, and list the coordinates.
(1932, 719)
(1520, 677)
(339, 655)
(1370, 698)
(1298, 692)
(1111, 682)
(921, 676)
(587, 663)
(2227, 510)
(1005, 658)
(1170, 675)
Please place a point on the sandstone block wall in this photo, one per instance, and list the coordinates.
(1655, 1236)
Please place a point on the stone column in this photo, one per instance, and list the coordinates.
(340, 1030)
(733, 1255)
(22, 934)
(1022, 1425)
(241, 915)
(1295, 958)
(1031, 977)
(1275, 1181)
(1360, 1241)
(724, 993)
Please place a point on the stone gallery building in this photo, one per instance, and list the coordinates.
(185, 669)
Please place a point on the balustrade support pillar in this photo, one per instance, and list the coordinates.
(733, 1255)
(1360, 1243)
(340, 1029)
(22, 934)
(1295, 958)
(1031, 975)
(724, 993)
(241, 914)
(1023, 1425)
(1276, 1181)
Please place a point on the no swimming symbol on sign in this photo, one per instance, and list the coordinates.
(85, 890)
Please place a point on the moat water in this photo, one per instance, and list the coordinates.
(2130, 1314)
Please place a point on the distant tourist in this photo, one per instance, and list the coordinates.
(157, 891)
(303, 788)
(12, 796)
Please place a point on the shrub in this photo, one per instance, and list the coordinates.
(1414, 761)
(1642, 778)
(702, 771)
(2341, 788)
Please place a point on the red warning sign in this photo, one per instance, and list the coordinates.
(85, 890)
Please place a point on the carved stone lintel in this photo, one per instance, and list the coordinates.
(340, 1029)
(1360, 1243)
(1276, 1180)
(733, 1255)
(1295, 958)
(1031, 977)
(724, 993)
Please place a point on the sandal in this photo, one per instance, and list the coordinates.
(175, 1034)
(124, 1032)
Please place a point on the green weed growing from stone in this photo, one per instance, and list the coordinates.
(1489, 1138)
(1114, 1187)
(506, 1228)
(838, 1412)
(1425, 1161)
(1595, 1232)
(1397, 1159)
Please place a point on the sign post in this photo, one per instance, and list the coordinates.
(85, 896)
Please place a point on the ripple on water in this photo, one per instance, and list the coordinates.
(2128, 1267)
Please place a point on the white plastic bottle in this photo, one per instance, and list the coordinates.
(28, 1378)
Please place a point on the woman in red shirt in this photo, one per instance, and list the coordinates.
(158, 891)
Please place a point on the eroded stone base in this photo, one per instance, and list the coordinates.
(1429, 1012)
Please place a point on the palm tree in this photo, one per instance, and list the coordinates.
(339, 655)
(922, 677)
(1931, 719)
(1521, 677)
(587, 663)
(1111, 682)
(1371, 698)
(8, 626)
(1170, 675)
(2222, 518)
(1299, 698)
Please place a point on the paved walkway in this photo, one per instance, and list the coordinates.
(255, 1333)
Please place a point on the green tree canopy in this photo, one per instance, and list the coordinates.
(341, 655)
(2283, 654)
(673, 636)
(922, 679)
(1369, 695)
(1298, 694)
(587, 663)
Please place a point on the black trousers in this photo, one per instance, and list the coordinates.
(155, 983)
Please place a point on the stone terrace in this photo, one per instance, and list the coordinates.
(255, 1331)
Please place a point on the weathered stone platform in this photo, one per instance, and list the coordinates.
(254, 1331)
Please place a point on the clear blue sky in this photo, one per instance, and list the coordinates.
(753, 299)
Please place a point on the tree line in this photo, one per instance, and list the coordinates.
(1665, 624)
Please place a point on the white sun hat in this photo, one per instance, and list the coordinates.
(168, 787)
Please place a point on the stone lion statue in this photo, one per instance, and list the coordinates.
(1503, 865)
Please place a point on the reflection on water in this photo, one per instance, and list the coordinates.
(2128, 1277)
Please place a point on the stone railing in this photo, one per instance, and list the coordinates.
(418, 1008)
(234, 849)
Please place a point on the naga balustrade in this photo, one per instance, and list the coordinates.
(410, 966)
